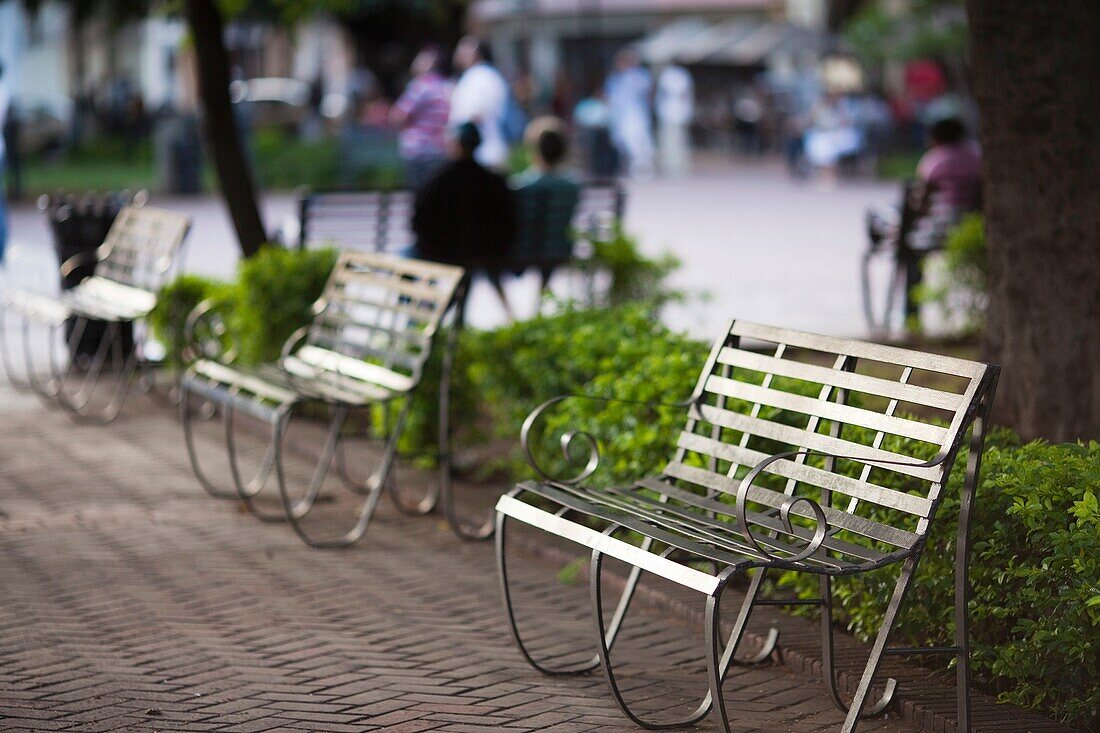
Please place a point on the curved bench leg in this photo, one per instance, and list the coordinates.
(246, 491)
(124, 366)
(446, 480)
(509, 612)
(295, 511)
(18, 383)
(605, 639)
(772, 638)
(859, 707)
(426, 503)
(46, 390)
(192, 454)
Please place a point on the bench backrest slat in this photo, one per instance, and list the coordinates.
(383, 309)
(768, 390)
(142, 246)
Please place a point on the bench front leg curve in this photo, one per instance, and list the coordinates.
(509, 612)
(605, 639)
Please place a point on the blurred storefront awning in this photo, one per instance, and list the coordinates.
(496, 10)
(747, 42)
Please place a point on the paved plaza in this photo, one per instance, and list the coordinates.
(130, 600)
(756, 243)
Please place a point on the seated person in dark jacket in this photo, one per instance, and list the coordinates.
(545, 200)
(465, 215)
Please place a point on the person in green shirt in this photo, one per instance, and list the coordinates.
(546, 199)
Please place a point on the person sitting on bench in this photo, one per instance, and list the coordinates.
(465, 215)
(546, 199)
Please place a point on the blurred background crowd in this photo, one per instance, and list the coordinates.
(645, 88)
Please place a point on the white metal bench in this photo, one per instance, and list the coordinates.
(131, 265)
(789, 460)
(373, 331)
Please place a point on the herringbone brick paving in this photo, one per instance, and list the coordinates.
(129, 600)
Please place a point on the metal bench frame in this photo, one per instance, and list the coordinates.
(681, 525)
(398, 305)
(131, 265)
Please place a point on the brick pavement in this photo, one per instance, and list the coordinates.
(129, 600)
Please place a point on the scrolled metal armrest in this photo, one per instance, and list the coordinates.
(821, 529)
(570, 438)
(80, 259)
(193, 347)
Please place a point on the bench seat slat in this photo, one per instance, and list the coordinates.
(265, 384)
(911, 393)
(588, 537)
(774, 499)
(664, 488)
(348, 366)
(829, 410)
(917, 505)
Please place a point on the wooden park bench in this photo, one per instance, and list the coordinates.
(374, 329)
(130, 267)
(800, 453)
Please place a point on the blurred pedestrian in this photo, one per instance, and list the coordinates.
(5, 105)
(421, 112)
(481, 96)
(546, 198)
(675, 106)
(592, 119)
(628, 92)
(465, 215)
(949, 178)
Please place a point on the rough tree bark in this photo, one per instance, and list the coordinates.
(234, 174)
(1036, 75)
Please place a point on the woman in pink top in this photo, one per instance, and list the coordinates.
(949, 178)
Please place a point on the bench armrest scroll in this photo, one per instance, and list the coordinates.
(821, 529)
(205, 335)
(80, 259)
(578, 438)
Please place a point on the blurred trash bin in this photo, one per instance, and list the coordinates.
(79, 223)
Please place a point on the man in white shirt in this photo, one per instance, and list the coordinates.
(628, 90)
(675, 110)
(481, 96)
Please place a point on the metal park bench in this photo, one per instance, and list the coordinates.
(791, 459)
(372, 334)
(365, 221)
(130, 266)
(380, 221)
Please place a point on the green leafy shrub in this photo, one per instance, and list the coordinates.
(282, 161)
(175, 301)
(634, 277)
(1035, 571)
(276, 289)
(963, 294)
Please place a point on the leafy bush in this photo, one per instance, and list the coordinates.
(1035, 571)
(283, 161)
(633, 276)
(963, 294)
(276, 289)
(272, 297)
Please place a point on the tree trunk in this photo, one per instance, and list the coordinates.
(1036, 76)
(234, 174)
